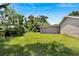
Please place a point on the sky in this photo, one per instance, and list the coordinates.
(54, 11)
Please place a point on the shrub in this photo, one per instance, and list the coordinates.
(15, 31)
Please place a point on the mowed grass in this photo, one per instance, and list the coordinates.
(37, 44)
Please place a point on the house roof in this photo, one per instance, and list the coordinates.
(76, 17)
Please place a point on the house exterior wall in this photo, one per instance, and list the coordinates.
(50, 30)
(70, 26)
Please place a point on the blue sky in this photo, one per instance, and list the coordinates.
(54, 11)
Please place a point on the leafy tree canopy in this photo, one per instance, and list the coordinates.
(34, 23)
(74, 13)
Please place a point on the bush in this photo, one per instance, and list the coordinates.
(15, 31)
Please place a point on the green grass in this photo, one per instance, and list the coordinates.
(37, 44)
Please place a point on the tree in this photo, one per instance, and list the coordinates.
(31, 19)
(42, 20)
(31, 23)
(34, 23)
(3, 5)
(2, 18)
(74, 13)
(13, 22)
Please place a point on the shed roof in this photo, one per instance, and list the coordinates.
(56, 25)
(76, 17)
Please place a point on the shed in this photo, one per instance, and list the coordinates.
(50, 29)
(70, 25)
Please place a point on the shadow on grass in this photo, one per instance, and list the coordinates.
(71, 36)
(53, 49)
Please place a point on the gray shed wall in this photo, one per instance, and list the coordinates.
(70, 26)
(50, 30)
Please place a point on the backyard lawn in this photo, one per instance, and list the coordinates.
(36, 44)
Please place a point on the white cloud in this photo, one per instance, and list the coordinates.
(66, 5)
